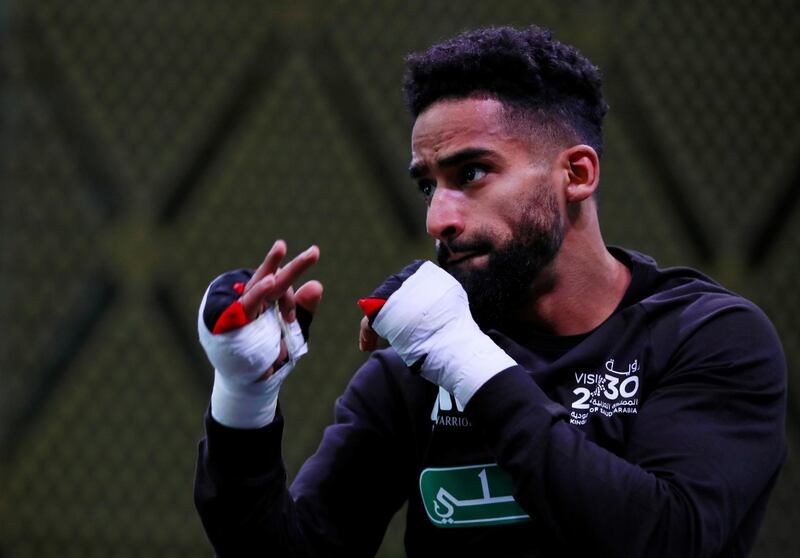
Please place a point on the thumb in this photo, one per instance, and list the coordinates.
(309, 296)
(367, 338)
(306, 301)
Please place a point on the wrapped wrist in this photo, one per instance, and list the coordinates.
(428, 318)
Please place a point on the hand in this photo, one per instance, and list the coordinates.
(427, 321)
(254, 333)
(272, 284)
(368, 339)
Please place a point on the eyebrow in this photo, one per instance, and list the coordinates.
(420, 169)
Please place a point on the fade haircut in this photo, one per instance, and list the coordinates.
(545, 85)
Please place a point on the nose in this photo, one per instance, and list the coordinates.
(445, 220)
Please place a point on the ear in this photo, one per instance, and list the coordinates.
(582, 166)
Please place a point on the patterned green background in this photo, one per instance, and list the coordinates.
(148, 145)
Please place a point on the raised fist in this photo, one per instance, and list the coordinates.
(425, 317)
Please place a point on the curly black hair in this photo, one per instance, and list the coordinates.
(537, 79)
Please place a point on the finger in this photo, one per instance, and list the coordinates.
(286, 305)
(253, 299)
(270, 264)
(272, 287)
(292, 271)
(309, 296)
(367, 338)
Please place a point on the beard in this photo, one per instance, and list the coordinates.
(498, 290)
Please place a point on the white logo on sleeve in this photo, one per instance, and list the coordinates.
(608, 392)
(447, 411)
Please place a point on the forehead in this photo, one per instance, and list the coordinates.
(450, 125)
(445, 119)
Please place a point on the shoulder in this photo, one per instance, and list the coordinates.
(694, 320)
(690, 294)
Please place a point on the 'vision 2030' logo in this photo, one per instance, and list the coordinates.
(607, 393)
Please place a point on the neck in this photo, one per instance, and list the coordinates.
(583, 285)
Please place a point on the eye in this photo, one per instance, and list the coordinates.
(472, 173)
(426, 188)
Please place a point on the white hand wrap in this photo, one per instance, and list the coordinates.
(243, 355)
(429, 315)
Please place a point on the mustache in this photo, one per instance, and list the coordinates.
(445, 250)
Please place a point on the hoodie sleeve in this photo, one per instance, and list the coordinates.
(331, 508)
(695, 469)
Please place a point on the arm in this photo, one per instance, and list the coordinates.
(699, 459)
(702, 453)
(240, 487)
(339, 504)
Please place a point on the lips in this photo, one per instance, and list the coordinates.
(461, 257)
(460, 252)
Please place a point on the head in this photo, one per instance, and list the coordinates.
(506, 120)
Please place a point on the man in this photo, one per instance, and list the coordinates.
(543, 394)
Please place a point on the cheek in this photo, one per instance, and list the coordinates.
(511, 204)
(541, 208)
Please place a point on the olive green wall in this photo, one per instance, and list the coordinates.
(149, 145)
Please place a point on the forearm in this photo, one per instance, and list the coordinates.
(241, 494)
(331, 509)
(671, 492)
(574, 487)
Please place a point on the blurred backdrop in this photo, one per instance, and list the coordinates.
(149, 145)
